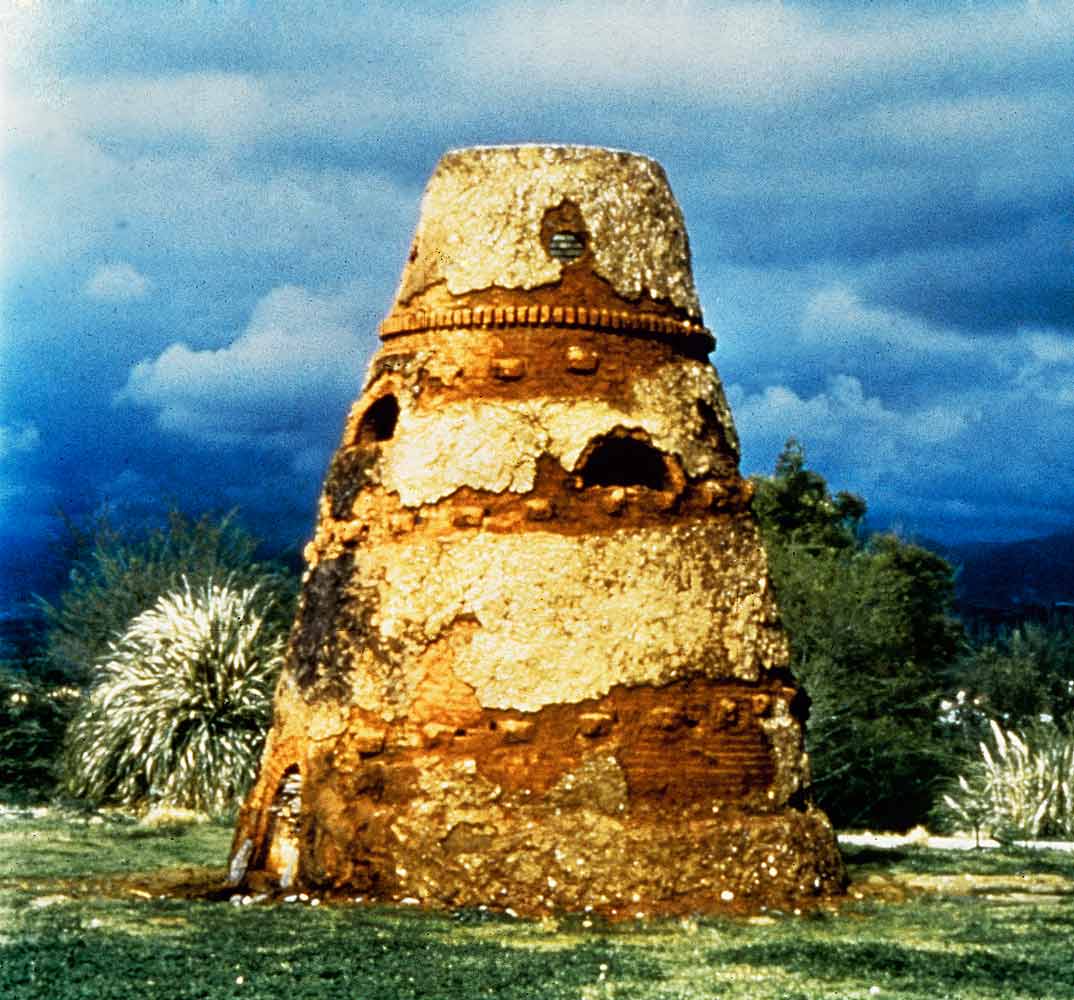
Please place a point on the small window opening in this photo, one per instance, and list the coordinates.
(285, 820)
(625, 461)
(565, 246)
(288, 799)
(712, 426)
(379, 421)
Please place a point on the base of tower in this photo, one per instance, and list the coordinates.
(690, 797)
(618, 867)
(458, 840)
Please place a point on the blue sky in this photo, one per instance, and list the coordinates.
(206, 208)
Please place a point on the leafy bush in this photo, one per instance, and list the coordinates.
(1021, 787)
(33, 716)
(181, 702)
(117, 574)
(1022, 677)
(871, 636)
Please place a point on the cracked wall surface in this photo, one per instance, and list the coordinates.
(537, 662)
(482, 214)
(494, 445)
(564, 611)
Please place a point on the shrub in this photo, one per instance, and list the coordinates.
(32, 720)
(1022, 676)
(181, 703)
(870, 632)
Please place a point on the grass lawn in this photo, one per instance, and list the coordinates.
(917, 924)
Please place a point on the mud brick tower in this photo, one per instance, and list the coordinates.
(537, 663)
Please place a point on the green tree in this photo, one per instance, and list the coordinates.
(871, 636)
(116, 574)
(1020, 679)
(795, 508)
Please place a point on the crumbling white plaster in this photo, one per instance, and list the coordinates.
(483, 208)
(494, 444)
(564, 618)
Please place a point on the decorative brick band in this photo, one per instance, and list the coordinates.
(577, 316)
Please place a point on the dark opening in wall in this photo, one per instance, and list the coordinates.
(620, 460)
(285, 813)
(564, 233)
(711, 425)
(287, 801)
(379, 421)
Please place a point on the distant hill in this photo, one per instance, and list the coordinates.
(1037, 571)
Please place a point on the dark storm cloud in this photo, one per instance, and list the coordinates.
(1022, 278)
(214, 200)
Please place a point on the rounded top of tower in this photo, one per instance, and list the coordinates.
(517, 219)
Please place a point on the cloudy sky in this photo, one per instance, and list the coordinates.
(206, 206)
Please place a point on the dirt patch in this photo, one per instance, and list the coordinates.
(174, 883)
(1011, 890)
(209, 884)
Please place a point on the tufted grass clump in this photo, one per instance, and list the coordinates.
(180, 705)
(117, 572)
(1022, 787)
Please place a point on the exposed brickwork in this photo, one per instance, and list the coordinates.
(493, 317)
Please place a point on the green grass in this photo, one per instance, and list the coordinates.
(89, 846)
(919, 861)
(60, 940)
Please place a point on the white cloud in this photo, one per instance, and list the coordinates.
(1045, 371)
(859, 442)
(978, 455)
(843, 413)
(118, 282)
(1047, 347)
(214, 107)
(739, 53)
(291, 372)
(18, 439)
(753, 54)
(990, 119)
(835, 313)
(57, 185)
(87, 182)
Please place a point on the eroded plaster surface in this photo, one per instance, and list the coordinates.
(483, 209)
(537, 662)
(557, 619)
(495, 444)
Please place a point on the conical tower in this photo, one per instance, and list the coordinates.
(537, 663)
